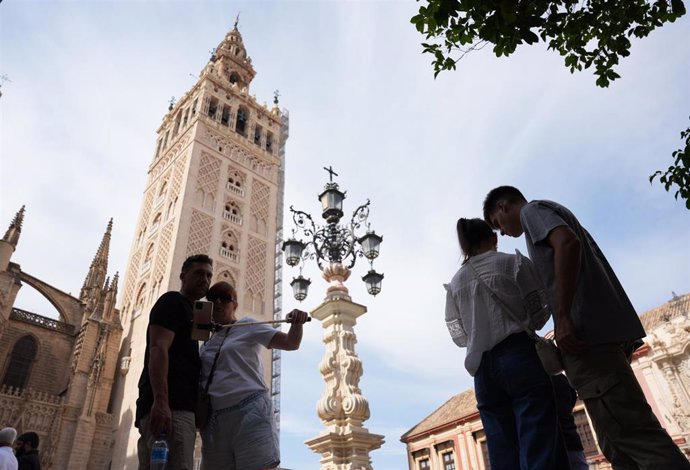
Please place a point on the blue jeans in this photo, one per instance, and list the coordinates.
(517, 407)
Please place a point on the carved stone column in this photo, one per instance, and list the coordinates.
(344, 444)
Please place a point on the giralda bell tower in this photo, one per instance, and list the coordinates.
(215, 186)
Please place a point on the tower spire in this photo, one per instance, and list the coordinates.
(99, 266)
(15, 228)
(230, 59)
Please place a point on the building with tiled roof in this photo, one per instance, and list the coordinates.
(452, 436)
(674, 308)
(458, 408)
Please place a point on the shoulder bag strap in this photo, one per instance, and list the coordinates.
(215, 361)
(503, 305)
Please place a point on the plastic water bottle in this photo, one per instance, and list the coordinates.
(159, 453)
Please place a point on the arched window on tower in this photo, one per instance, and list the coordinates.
(156, 222)
(269, 142)
(140, 239)
(229, 247)
(236, 79)
(212, 108)
(227, 277)
(161, 195)
(139, 302)
(21, 359)
(178, 121)
(241, 121)
(236, 183)
(232, 212)
(147, 259)
(257, 135)
(171, 210)
(225, 117)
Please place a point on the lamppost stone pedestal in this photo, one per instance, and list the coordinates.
(344, 444)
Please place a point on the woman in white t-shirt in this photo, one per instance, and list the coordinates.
(240, 434)
(514, 395)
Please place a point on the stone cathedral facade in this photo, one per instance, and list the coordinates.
(57, 374)
(215, 186)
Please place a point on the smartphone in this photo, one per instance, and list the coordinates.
(203, 316)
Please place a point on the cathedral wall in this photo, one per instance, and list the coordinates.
(48, 372)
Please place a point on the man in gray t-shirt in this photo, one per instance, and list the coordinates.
(594, 325)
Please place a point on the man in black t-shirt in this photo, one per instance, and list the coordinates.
(168, 385)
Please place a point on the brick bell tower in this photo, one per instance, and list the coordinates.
(215, 186)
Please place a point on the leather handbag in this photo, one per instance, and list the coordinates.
(203, 404)
(548, 352)
(549, 355)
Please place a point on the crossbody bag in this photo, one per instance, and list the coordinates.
(548, 353)
(203, 406)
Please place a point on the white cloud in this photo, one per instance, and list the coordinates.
(90, 84)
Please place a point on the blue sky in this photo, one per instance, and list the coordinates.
(90, 82)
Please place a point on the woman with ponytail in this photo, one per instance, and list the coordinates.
(514, 394)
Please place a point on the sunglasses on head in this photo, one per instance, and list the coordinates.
(226, 298)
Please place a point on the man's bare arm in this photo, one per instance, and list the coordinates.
(566, 259)
(160, 340)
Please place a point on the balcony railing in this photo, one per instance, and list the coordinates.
(236, 219)
(235, 189)
(228, 253)
(43, 322)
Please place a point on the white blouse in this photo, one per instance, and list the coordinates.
(478, 322)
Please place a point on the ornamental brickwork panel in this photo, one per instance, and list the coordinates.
(178, 172)
(163, 248)
(260, 200)
(146, 210)
(209, 174)
(131, 280)
(200, 232)
(256, 266)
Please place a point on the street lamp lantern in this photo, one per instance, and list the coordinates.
(373, 281)
(293, 251)
(332, 202)
(335, 245)
(300, 287)
(370, 244)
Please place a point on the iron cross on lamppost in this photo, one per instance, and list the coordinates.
(345, 443)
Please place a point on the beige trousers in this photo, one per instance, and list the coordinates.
(180, 444)
(628, 432)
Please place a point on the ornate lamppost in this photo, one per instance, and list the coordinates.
(345, 443)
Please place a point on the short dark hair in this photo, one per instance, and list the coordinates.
(501, 193)
(31, 438)
(195, 259)
(472, 233)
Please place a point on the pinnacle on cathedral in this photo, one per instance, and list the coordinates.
(15, 228)
(99, 266)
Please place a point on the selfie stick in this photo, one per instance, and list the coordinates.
(220, 325)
